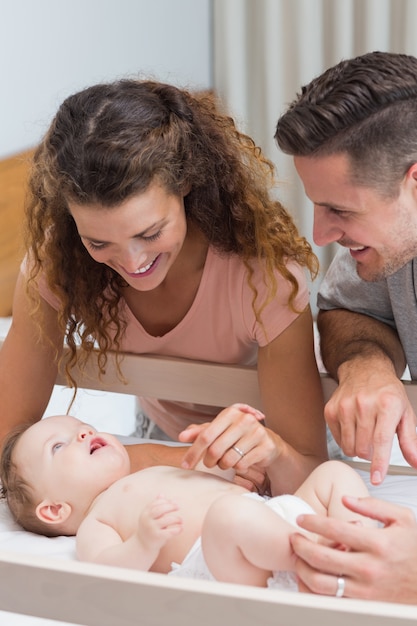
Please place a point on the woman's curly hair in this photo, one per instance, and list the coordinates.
(111, 141)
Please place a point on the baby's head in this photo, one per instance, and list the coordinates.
(52, 471)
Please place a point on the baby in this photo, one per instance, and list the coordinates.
(61, 477)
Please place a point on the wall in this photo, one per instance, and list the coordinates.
(264, 50)
(51, 48)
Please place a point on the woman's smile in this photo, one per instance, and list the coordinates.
(145, 270)
(140, 238)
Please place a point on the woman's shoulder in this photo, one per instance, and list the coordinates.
(234, 264)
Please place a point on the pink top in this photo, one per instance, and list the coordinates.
(220, 327)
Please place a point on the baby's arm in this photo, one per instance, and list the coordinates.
(99, 542)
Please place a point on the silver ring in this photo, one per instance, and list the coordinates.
(340, 587)
(239, 451)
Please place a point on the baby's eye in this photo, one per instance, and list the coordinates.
(57, 446)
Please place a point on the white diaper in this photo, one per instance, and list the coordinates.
(287, 506)
(193, 566)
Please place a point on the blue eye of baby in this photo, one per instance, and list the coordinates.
(56, 447)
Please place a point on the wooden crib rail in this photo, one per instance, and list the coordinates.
(179, 379)
(97, 595)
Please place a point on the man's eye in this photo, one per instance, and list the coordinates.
(338, 212)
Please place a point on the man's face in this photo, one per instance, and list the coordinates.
(380, 233)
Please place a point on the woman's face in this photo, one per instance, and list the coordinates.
(140, 238)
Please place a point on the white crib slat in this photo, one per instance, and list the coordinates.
(95, 595)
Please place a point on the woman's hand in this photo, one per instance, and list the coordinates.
(236, 439)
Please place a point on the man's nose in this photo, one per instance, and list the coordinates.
(324, 230)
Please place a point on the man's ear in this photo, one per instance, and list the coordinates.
(53, 512)
(412, 171)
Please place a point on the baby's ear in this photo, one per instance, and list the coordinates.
(53, 512)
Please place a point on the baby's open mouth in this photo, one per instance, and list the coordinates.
(96, 444)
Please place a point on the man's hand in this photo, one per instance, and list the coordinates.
(368, 408)
(378, 563)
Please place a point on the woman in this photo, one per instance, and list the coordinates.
(151, 227)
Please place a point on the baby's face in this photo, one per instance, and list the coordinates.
(67, 460)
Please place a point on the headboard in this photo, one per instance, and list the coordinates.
(13, 177)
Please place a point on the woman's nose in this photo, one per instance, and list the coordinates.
(134, 258)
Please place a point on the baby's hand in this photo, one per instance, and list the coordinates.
(158, 522)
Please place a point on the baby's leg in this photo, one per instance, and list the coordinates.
(326, 486)
(243, 541)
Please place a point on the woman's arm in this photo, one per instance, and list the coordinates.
(293, 404)
(212, 448)
(28, 367)
(148, 454)
(295, 441)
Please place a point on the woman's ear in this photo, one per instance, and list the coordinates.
(53, 512)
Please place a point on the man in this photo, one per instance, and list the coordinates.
(353, 134)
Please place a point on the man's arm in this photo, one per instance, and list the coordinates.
(370, 404)
(346, 335)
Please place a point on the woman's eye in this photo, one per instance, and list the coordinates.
(153, 237)
(96, 246)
